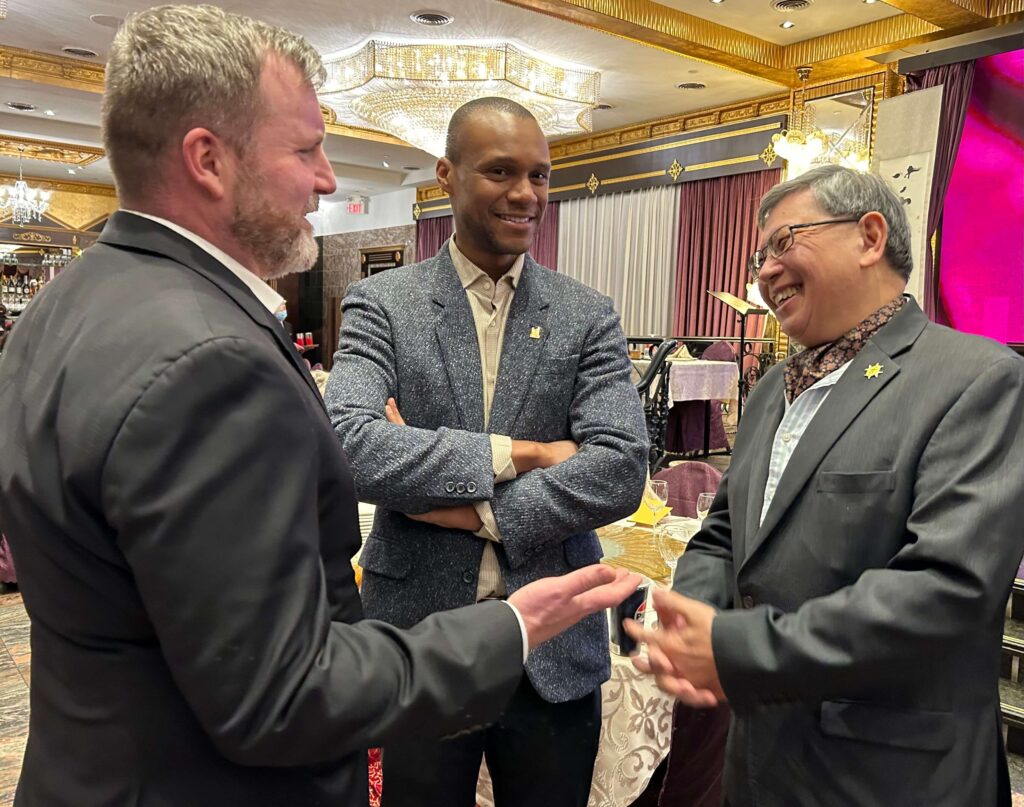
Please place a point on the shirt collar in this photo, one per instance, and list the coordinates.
(269, 298)
(471, 275)
(828, 381)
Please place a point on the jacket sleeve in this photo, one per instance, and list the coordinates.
(951, 578)
(604, 480)
(403, 468)
(211, 485)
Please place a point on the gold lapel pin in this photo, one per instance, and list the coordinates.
(535, 332)
(873, 371)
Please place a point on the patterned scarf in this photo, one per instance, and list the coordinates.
(807, 368)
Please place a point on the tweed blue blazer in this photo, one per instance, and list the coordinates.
(564, 374)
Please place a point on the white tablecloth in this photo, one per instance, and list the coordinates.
(698, 380)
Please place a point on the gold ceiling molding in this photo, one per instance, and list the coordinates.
(60, 71)
(64, 186)
(64, 153)
(363, 134)
(841, 53)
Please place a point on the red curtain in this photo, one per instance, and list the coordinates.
(717, 234)
(432, 233)
(956, 79)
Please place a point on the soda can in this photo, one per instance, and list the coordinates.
(633, 607)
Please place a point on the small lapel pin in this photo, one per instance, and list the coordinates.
(873, 371)
(535, 332)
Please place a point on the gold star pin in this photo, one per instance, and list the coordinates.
(535, 332)
(873, 371)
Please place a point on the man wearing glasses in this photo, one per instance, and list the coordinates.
(846, 593)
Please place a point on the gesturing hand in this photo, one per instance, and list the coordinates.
(552, 604)
(680, 652)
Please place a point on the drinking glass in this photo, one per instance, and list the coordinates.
(655, 497)
(704, 501)
(671, 539)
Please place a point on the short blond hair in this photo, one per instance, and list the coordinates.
(174, 68)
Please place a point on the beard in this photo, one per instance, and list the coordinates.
(281, 243)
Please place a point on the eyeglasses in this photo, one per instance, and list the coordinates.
(782, 239)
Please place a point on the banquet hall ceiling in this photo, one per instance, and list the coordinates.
(642, 49)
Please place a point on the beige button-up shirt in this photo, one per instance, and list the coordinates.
(490, 303)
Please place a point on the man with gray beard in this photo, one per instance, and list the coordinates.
(181, 513)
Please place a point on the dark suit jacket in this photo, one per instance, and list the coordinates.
(183, 521)
(861, 651)
(564, 374)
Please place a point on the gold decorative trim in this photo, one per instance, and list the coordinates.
(839, 53)
(50, 151)
(592, 184)
(436, 207)
(65, 186)
(750, 158)
(32, 238)
(675, 170)
(627, 135)
(363, 134)
(58, 71)
(689, 141)
(577, 187)
(768, 156)
(417, 211)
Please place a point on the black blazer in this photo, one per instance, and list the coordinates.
(183, 520)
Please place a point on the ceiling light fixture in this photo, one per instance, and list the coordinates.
(385, 163)
(802, 143)
(411, 89)
(106, 20)
(3, 9)
(49, 113)
(20, 106)
(79, 52)
(21, 202)
(787, 24)
(691, 85)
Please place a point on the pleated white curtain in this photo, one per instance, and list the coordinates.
(625, 245)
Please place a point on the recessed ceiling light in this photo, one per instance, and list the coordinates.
(410, 168)
(20, 106)
(79, 52)
(72, 171)
(49, 113)
(385, 163)
(717, 2)
(106, 20)
(869, 2)
(692, 85)
(604, 106)
(431, 18)
(787, 24)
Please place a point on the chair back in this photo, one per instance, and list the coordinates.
(719, 351)
(686, 481)
(653, 390)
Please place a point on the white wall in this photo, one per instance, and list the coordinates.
(386, 210)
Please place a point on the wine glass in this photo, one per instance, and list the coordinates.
(655, 497)
(671, 539)
(704, 501)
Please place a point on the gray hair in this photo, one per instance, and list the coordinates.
(492, 103)
(174, 68)
(843, 191)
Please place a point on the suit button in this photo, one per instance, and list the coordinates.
(471, 487)
(460, 488)
(449, 487)
(468, 577)
(748, 601)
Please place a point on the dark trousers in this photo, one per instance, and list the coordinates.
(538, 753)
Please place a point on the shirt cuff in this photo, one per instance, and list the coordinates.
(522, 628)
(501, 458)
(489, 524)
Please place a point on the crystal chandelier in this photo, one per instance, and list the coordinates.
(21, 202)
(410, 90)
(3, 9)
(802, 143)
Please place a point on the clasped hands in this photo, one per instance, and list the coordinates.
(679, 650)
(527, 455)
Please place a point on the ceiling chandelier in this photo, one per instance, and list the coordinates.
(21, 202)
(3, 9)
(803, 142)
(410, 90)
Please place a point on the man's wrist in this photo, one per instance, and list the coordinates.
(526, 455)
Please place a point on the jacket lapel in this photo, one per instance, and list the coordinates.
(847, 400)
(457, 341)
(143, 235)
(521, 348)
(760, 458)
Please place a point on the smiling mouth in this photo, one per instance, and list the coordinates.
(787, 293)
(514, 219)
